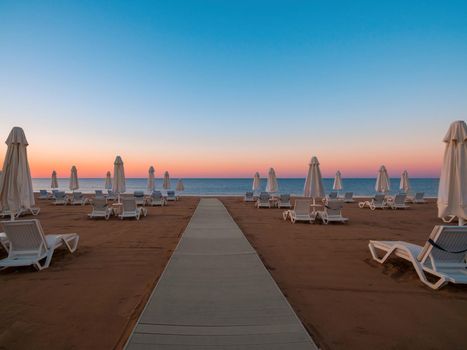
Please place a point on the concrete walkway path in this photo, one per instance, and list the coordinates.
(215, 293)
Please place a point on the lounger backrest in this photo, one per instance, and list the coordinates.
(171, 193)
(379, 198)
(249, 194)
(138, 194)
(419, 195)
(77, 196)
(43, 192)
(60, 195)
(302, 206)
(129, 204)
(98, 192)
(334, 207)
(264, 197)
(156, 195)
(400, 198)
(285, 198)
(100, 204)
(451, 239)
(25, 236)
(333, 195)
(348, 195)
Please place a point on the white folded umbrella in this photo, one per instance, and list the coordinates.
(151, 181)
(54, 182)
(166, 184)
(16, 191)
(382, 181)
(337, 186)
(272, 186)
(118, 183)
(452, 191)
(314, 183)
(180, 187)
(404, 185)
(74, 183)
(108, 181)
(256, 183)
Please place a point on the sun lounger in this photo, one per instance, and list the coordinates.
(100, 209)
(399, 202)
(111, 195)
(44, 194)
(378, 202)
(21, 212)
(263, 200)
(332, 195)
(53, 193)
(332, 212)
(418, 198)
(284, 201)
(139, 197)
(60, 198)
(157, 199)
(300, 212)
(131, 210)
(348, 197)
(442, 256)
(171, 196)
(29, 245)
(99, 194)
(77, 198)
(249, 197)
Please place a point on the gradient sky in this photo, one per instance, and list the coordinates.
(227, 88)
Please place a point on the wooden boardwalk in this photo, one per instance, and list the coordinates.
(215, 293)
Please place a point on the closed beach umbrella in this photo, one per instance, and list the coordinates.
(108, 181)
(256, 183)
(337, 186)
(404, 186)
(16, 184)
(180, 187)
(74, 183)
(118, 183)
(151, 181)
(452, 192)
(272, 186)
(54, 183)
(166, 184)
(314, 183)
(382, 181)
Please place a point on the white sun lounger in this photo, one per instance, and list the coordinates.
(111, 195)
(131, 210)
(100, 209)
(21, 212)
(44, 194)
(300, 212)
(332, 195)
(157, 199)
(263, 200)
(399, 202)
(249, 197)
(139, 197)
(419, 198)
(171, 196)
(332, 212)
(348, 197)
(77, 198)
(442, 256)
(29, 246)
(284, 201)
(378, 202)
(60, 198)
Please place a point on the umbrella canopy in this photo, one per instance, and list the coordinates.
(54, 182)
(16, 184)
(74, 183)
(118, 183)
(180, 187)
(272, 185)
(452, 192)
(382, 181)
(151, 182)
(314, 183)
(256, 183)
(166, 184)
(108, 181)
(337, 186)
(404, 185)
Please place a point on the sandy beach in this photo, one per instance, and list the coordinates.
(345, 299)
(91, 299)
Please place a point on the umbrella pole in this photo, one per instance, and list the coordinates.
(461, 222)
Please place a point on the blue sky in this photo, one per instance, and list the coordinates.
(238, 85)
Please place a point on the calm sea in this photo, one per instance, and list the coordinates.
(360, 187)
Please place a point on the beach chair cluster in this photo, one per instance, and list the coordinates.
(304, 211)
(26, 244)
(266, 200)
